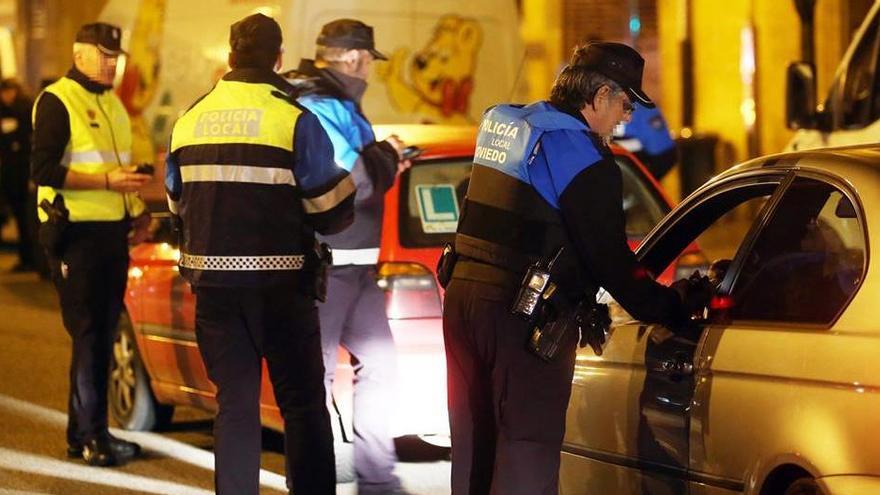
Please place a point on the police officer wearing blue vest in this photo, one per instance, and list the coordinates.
(81, 162)
(543, 179)
(647, 136)
(354, 316)
(251, 175)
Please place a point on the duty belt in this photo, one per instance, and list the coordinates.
(242, 263)
(486, 273)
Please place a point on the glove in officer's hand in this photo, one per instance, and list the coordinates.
(695, 293)
(593, 325)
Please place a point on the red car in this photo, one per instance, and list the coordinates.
(156, 361)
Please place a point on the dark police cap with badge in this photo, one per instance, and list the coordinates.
(618, 62)
(106, 37)
(351, 34)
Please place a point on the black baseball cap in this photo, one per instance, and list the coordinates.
(349, 33)
(106, 37)
(255, 33)
(618, 62)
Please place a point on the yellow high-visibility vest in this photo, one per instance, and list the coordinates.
(100, 141)
(238, 112)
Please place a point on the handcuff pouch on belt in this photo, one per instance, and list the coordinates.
(552, 317)
(320, 261)
(446, 264)
(52, 230)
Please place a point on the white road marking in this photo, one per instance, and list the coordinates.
(15, 460)
(152, 442)
(6, 491)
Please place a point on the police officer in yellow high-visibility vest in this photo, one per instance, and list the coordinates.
(252, 177)
(81, 163)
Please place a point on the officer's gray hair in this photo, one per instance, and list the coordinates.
(576, 86)
(334, 54)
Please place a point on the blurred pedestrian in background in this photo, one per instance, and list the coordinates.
(15, 155)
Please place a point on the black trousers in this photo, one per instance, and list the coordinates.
(354, 316)
(235, 329)
(90, 277)
(506, 406)
(14, 173)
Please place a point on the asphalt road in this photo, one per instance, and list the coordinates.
(34, 358)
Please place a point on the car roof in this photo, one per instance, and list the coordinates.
(843, 161)
(439, 141)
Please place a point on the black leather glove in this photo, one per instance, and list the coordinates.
(695, 292)
(593, 321)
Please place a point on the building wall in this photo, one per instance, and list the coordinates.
(717, 46)
(47, 29)
(550, 26)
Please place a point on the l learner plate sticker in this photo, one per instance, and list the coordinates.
(438, 208)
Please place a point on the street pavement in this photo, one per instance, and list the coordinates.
(34, 358)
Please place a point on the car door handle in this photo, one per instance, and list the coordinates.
(677, 367)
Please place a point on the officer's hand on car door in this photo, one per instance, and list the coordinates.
(126, 180)
(695, 292)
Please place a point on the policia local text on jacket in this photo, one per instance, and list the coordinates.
(541, 179)
(354, 313)
(81, 126)
(252, 176)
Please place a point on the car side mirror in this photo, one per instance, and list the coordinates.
(800, 96)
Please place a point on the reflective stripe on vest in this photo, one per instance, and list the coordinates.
(100, 141)
(242, 263)
(237, 173)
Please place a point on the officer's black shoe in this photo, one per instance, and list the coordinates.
(99, 452)
(123, 450)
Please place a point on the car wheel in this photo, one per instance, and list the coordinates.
(132, 403)
(804, 486)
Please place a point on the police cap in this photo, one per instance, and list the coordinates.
(618, 62)
(106, 37)
(349, 33)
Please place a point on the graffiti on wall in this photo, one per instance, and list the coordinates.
(436, 82)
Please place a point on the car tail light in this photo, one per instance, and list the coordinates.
(410, 291)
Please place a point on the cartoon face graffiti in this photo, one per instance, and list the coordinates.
(440, 74)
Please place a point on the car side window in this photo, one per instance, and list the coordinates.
(715, 228)
(642, 205)
(807, 261)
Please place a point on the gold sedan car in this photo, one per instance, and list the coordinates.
(776, 390)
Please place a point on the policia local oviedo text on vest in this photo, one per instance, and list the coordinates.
(505, 221)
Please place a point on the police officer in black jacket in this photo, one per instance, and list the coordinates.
(251, 175)
(543, 179)
(354, 314)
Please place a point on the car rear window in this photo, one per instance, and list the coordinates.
(432, 194)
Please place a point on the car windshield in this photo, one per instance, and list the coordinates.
(432, 194)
